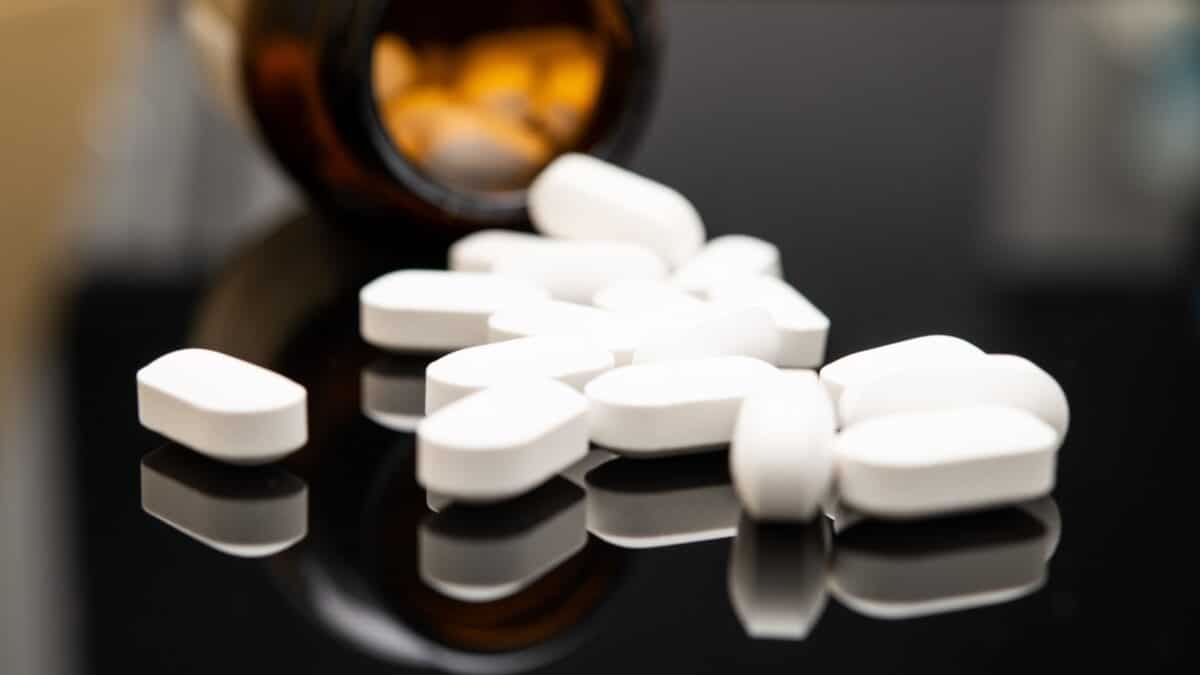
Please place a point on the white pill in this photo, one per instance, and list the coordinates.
(998, 379)
(731, 255)
(673, 407)
(575, 270)
(872, 363)
(644, 297)
(662, 502)
(223, 407)
(926, 463)
(718, 330)
(502, 441)
(581, 197)
(248, 513)
(891, 570)
(781, 455)
(392, 394)
(803, 329)
(485, 554)
(479, 252)
(777, 578)
(618, 333)
(568, 360)
(437, 310)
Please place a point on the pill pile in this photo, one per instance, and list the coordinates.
(618, 326)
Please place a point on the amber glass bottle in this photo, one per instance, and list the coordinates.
(406, 114)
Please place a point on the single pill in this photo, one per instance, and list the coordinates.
(673, 407)
(617, 333)
(872, 363)
(781, 456)
(581, 197)
(777, 578)
(394, 66)
(641, 504)
(479, 252)
(996, 379)
(502, 441)
(435, 310)
(242, 512)
(222, 407)
(567, 94)
(393, 392)
(569, 360)
(575, 270)
(720, 330)
(727, 256)
(927, 463)
(501, 81)
(803, 329)
(645, 297)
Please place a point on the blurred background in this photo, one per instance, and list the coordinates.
(911, 155)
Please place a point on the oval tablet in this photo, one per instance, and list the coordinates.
(617, 333)
(998, 379)
(872, 363)
(645, 297)
(781, 456)
(570, 361)
(731, 255)
(926, 463)
(480, 251)
(673, 407)
(575, 270)
(803, 329)
(437, 310)
(502, 441)
(718, 330)
(777, 576)
(581, 197)
(223, 407)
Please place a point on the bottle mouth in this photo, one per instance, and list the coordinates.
(471, 100)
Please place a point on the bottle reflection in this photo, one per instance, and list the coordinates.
(648, 503)
(248, 512)
(777, 577)
(393, 391)
(486, 553)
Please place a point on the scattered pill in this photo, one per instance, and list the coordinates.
(675, 406)
(619, 334)
(720, 330)
(998, 379)
(927, 463)
(437, 310)
(502, 441)
(393, 392)
(781, 456)
(243, 512)
(223, 407)
(479, 252)
(569, 360)
(727, 256)
(575, 270)
(777, 576)
(581, 197)
(872, 363)
(645, 297)
(803, 328)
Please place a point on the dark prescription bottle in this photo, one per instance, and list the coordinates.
(401, 114)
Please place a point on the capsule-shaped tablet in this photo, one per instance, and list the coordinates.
(872, 363)
(803, 329)
(480, 251)
(394, 66)
(719, 330)
(728, 256)
(503, 441)
(618, 333)
(781, 456)
(434, 310)
(222, 407)
(996, 379)
(568, 360)
(581, 197)
(575, 270)
(928, 463)
(673, 407)
(646, 297)
(777, 577)
(392, 392)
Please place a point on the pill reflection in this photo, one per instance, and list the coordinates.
(901, 570)
(648, 503)
(777, 578)
(248, 512)
(393, 391)
(487, 553)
